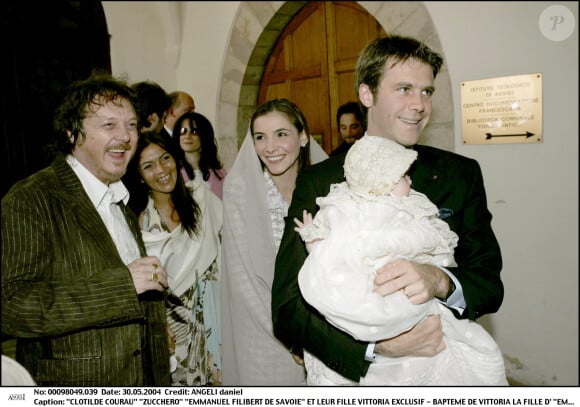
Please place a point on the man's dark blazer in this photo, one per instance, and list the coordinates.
(341, 149)
(166, 132)
(67, 295)
(455, 185)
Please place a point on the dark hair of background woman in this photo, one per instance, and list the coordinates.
(208, 160)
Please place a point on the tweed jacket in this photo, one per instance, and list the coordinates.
(455, 185)
(68, 297)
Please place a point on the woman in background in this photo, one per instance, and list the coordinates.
(197, 140)
(257, 194)
(181, 223)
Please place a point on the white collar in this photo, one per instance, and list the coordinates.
(94, 187)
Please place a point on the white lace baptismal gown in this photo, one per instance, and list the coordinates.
(359, 236)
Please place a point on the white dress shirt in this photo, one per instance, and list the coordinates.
(105, 199)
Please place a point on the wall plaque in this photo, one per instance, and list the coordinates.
(502, 110)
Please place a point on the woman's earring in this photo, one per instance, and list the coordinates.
(303, 145)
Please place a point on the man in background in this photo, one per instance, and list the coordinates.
(349, 120)
(151, 105)
(181, 102)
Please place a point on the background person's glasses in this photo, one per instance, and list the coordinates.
(185, 130)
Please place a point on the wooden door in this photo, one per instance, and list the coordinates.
(313, 63)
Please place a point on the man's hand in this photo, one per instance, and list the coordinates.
(419, 282)
(148, 274)
(424, 339)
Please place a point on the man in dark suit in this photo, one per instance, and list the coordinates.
(79, 294)
(395, 82)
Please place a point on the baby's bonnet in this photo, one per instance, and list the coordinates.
(374, 165)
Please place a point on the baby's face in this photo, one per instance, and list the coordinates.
(403, 187)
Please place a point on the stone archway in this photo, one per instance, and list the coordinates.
(255, 30)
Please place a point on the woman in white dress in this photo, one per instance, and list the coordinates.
(181, 224)
(372, 219)
(257, 194)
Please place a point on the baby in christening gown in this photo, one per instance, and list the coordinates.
(364, 223)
